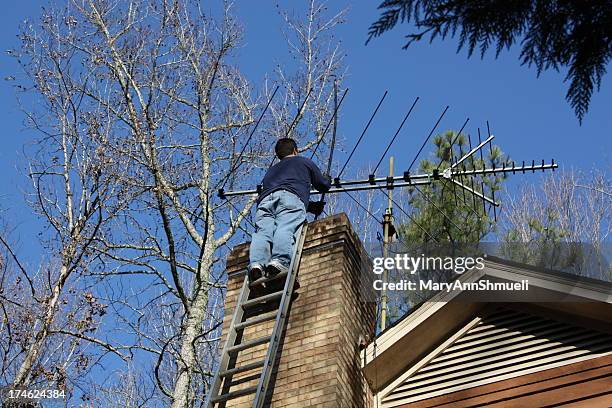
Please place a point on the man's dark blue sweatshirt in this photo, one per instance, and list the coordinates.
(295, 174)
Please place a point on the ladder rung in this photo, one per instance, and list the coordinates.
(245, 379)
(266, 365)
(241, 369)
(234, 394)
(266, 280)
(262, 299)
(249, 344)
(259, 319)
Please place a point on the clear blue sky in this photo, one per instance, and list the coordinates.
(529, 115)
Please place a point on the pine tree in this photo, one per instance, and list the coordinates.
(446, 221)
(448, 213)
(572, 34)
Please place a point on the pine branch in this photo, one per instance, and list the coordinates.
(576, 35)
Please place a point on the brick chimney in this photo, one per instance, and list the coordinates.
(318, 364)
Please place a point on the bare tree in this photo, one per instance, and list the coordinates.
(145, 115)
(551, 223)
(74, 192)
(130, 387)
(311, 43)
(158, 114)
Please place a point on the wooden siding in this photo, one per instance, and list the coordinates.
(585, 384)
(496, 347)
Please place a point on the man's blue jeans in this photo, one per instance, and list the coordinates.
(278, 217)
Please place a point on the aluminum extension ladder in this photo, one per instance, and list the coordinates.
(249, 312)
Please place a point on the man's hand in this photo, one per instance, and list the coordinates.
(315, 207)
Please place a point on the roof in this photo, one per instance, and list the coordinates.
(428, 324)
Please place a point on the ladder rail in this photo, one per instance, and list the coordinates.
(214, 395)
(229, 342)
(281, 318)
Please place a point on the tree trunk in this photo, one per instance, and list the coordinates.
(192, 329)
(23, 374)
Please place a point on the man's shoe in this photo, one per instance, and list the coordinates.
(255, 272)
(275, 267)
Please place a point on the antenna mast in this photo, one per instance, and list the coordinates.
(388, 232)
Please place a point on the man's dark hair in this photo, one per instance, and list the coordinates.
(284, 147)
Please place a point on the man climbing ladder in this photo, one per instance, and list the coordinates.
(276, 250)
(281, 209)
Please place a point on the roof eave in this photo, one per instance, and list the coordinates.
(410, 338)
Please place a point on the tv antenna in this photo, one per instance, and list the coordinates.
(464, 173)
(455, 173)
